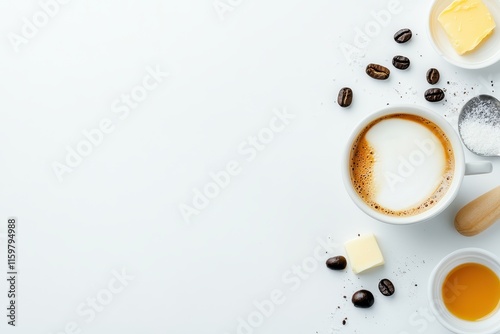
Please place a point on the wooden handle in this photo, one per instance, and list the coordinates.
(479, 214)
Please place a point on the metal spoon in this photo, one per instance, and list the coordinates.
(486, 110)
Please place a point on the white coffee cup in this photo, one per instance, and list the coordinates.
(460, 167)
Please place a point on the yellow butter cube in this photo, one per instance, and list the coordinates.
(363, 253)
(467, 23)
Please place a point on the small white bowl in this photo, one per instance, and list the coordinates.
(486, 54)
(489, 325)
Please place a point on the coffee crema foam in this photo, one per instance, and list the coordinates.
(401, 164)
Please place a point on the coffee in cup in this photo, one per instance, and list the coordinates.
(401, 164)
(405, 164)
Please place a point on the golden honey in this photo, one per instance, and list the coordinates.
(471, 291)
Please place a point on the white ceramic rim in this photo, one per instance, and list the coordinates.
(463, 64)
(491, 324)
(457, 177)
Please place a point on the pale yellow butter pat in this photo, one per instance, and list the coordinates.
(363, 253)
(467, 23)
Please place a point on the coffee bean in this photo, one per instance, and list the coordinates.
(434, 94)
(344, 98)
(363, 299)
(386, 287)
(402, 36)
(378, 72)
(432, 76)
(401, 62)
(336, 262)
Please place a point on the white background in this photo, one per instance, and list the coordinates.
(119, 209)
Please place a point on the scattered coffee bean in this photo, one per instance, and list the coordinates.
(386, 287)
(378, 72)
(432, 76)
(363, 299)
(401, 62)
(434, 94)
(336, 262)
(402, 36)
(344, 98)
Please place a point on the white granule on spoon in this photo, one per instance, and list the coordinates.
(480, 129)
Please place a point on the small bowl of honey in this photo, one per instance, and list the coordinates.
(464, 292)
